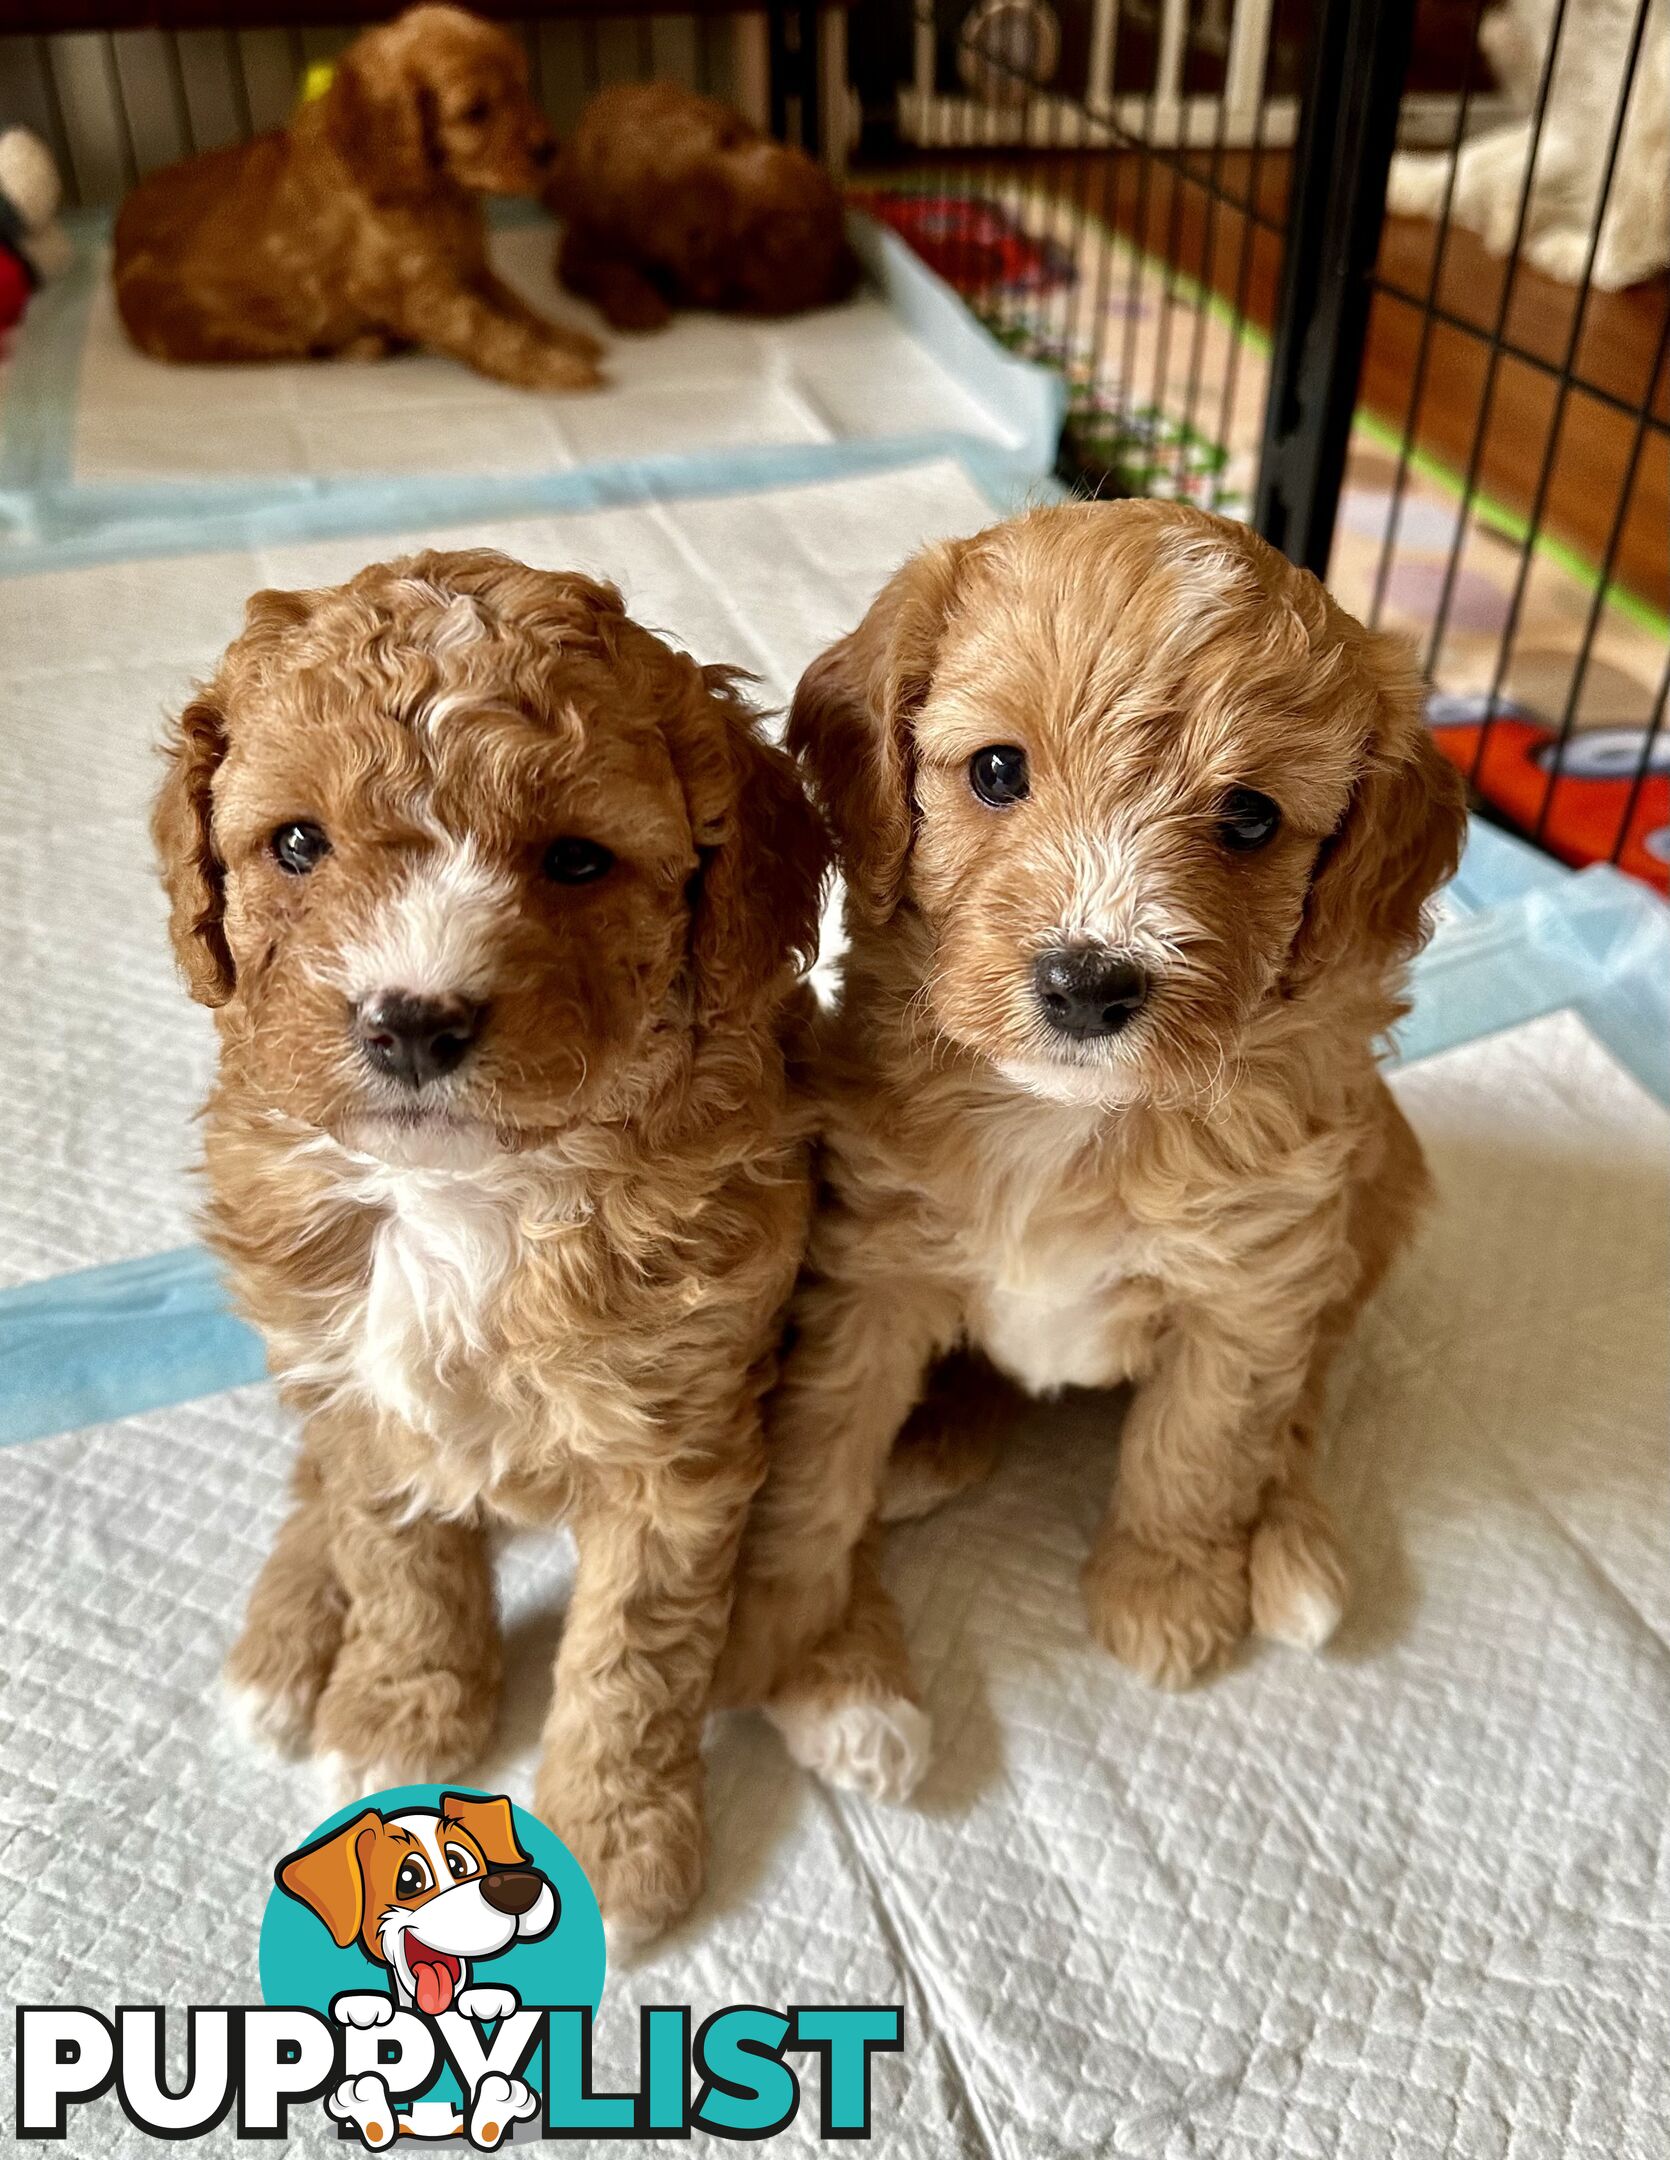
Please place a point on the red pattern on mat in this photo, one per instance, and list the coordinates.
(1585, 810)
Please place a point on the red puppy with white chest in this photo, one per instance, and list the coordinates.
(500, 903)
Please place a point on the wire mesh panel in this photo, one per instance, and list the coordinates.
(1179, 204)
(1509, 499)
(1106, 185)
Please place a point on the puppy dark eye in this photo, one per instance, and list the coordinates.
(1247, 820)
(576, 862)
(412, 1879)
(475, 113)
(299, 847)
(460, 1864)
(998, 775)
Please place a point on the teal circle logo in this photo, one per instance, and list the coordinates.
(453, 1906)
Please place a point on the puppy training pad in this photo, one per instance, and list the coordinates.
(104, 1058)
(107, 449)
(1403, 1901)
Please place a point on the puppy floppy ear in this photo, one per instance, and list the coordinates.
(491, 1823)
(379, 118)
(1400, 839)
(192, 875)
(850, 726)
(761, 846)
(328, 1877)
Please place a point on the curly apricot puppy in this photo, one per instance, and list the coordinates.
(500, 903)
(674, 200)
(357, 228)
(1138, 828)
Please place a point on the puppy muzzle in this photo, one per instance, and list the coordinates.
(1086, 992)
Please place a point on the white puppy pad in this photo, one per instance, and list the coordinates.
(103, 1057)
(709, 382)
(1404, 1901)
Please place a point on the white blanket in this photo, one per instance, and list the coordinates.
(103, 1059)
(1405, 1901)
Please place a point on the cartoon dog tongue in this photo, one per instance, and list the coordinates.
(434, 1976)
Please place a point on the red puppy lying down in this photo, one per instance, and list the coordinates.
(357, 228)
(674, 200)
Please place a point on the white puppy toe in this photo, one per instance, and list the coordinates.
(1304, 1617)
(877, 1748)
(341, 1781)
(280, 1722)
(337, 1780)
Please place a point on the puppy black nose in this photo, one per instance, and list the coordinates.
(1085, 992)
(415, 1039)
(512, 1890)
(545, 152)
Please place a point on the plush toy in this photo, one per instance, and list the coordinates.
(33, 245)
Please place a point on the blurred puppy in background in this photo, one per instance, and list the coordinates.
(357, 229)
(500, 904)
(1138, 828)
(673, 200)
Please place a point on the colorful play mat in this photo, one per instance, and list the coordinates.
(1173, 406)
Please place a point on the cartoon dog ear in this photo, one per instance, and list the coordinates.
(492, 1823)
(851, 725)
(192, 875)
(761, 847)
(329, 1879)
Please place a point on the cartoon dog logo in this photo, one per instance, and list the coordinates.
(427, 1894)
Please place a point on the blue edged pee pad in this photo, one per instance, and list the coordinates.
(105, 453)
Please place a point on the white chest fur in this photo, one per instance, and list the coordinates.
(441, 1256)
(438, 1338)
(1058, 1312)
(1063, 1290)
(421, 1338)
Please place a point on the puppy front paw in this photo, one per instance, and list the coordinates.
(1298, 1583)
(644, 1851)
(280, 1719)
(1170, 1614)
(273, 1679)
(568, 362)
(879, 1746)
(380, 1725)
